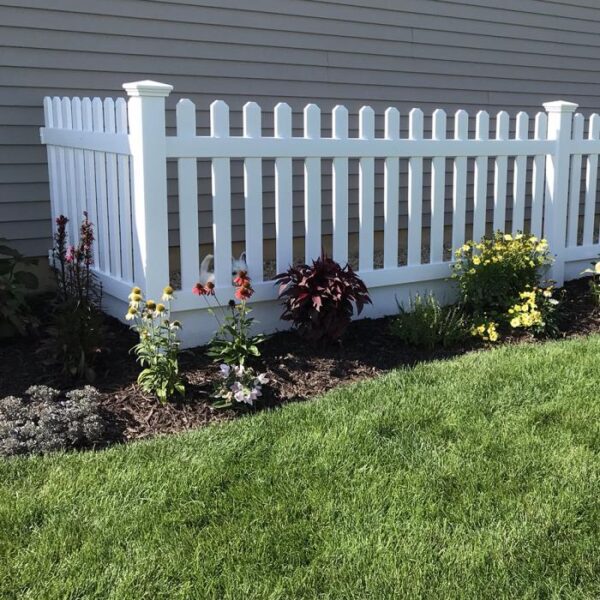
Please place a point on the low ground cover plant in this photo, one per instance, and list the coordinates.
(427, 324)
(75, 336)
(238, 384)
(45, 420)
(15, 285)
(501, 285)
(158, 349)
(320, 299)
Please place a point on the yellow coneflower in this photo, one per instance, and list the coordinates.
(160, 308)
(167, 293)
(135, 299)
(151, 305)
(131, 313)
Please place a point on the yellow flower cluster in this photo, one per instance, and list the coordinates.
(486, 331)
(527, 249)
(527, 314)
(147, 309)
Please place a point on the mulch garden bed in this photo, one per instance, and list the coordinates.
(296, 370)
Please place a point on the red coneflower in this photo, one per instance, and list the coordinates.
(199, 290)
(241, 278)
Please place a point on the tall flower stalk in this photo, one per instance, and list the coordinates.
(76, 331)
(232, 343)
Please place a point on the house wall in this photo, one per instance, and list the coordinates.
(429, 53)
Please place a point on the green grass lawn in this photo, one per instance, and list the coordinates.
(477, 477)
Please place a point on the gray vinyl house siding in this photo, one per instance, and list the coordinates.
(429, 53)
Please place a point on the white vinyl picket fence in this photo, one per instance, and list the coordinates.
(110, 158)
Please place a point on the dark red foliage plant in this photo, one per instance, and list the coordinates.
(320, 299)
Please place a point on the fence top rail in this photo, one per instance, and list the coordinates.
(98, 141)
(300, 147)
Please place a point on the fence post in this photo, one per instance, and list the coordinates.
(146, 118)
(560, 119)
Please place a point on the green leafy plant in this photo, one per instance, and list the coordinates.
(427, 324)
(75, 336)
(233, 344)
(594, 281)
(320, 299)
(491, 275)
(158, 349)
(15, 284)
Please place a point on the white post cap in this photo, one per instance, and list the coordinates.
(560, 106)
(148, 88)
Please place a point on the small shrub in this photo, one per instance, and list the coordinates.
(495, 275)
(427, 324)
(239, 384)
(594, 281)
(492, 273)
(158, 348)
(232, 343)
(320, 299)
(15, 283)
(45, 421)
(76, 331)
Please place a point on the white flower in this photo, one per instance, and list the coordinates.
(261, 379)
(225, 370)
(236, 387)
(239, 396)
(239, 370)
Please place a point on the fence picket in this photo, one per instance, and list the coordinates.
(339, 117)
(124, 197)
(575, 184)
(366, 193)
(71, 188)
(62, 205)
(312, 186)
(438, 190)
(187, 177)
(500, 175)
(391, 193)
(415, 190)
(253, 195)
(459, 188)
(221, 193)
(519, 176)
(480, 178)
(53, 177)
(112, 188)
(90, 175)
(77, 123)
(591, 183)
(284, 250)
(538, 177)
(102, 231)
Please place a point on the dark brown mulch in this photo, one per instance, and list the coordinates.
(296, 370)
